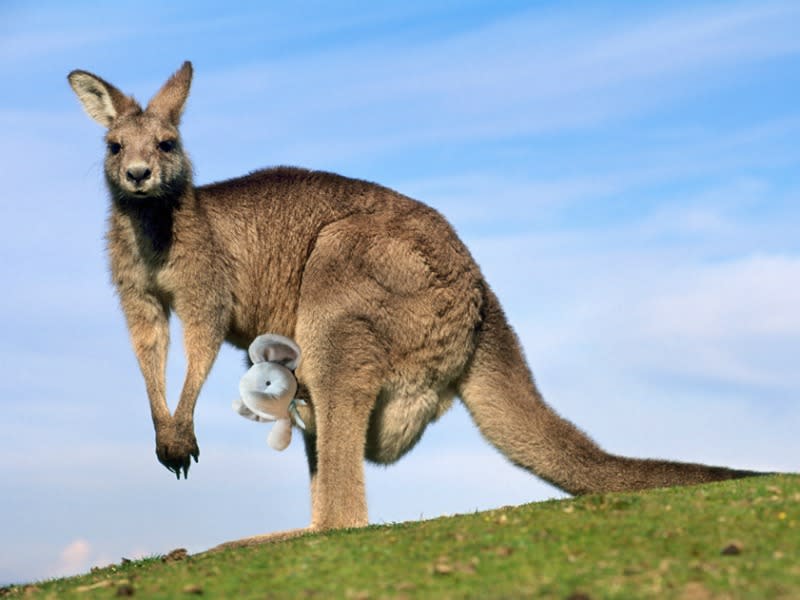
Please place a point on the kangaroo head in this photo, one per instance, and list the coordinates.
(144, 156)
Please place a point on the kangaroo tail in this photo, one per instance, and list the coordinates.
(500, 394)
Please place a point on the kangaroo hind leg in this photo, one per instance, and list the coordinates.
(343, 370)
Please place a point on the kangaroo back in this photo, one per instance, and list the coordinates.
(500, 394)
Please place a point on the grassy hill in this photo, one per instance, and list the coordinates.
(732, 540)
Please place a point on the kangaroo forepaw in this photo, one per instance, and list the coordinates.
(176, 445)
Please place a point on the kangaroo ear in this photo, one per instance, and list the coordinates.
(101, 100)
(271, 347)
(171, 98)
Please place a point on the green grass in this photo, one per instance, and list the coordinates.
(663, 543)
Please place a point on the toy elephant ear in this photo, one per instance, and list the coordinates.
(272, 347)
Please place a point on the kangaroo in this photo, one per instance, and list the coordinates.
(393, 315)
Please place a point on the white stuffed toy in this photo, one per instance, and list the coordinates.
(268, 388)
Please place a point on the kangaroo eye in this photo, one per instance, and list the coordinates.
(114, 147)
(166, 145)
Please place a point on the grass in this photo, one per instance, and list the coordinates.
(736, 539)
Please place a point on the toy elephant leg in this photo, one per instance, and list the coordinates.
(281, 434)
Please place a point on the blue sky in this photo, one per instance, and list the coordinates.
(627, 176)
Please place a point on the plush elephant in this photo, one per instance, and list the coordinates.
(268, 388)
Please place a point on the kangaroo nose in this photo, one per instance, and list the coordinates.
(138, 174)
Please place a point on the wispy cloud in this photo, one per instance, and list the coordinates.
(642, 297)
(510, 78)
(73, 559)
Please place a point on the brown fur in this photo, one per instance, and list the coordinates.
(393, 316)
